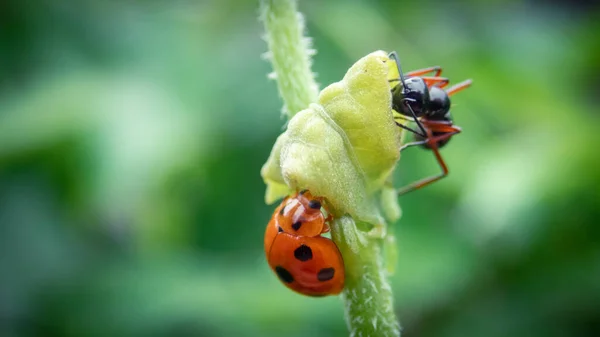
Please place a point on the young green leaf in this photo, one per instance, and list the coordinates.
(345, 147)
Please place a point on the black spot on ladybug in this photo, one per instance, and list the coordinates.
(314, 204)
(284, 275)
(325, 274)
(303, 253)
(303, 191)
(279, 229)
(296, 225)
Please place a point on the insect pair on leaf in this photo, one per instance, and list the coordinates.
(303, 259)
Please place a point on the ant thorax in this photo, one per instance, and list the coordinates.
(438, 107)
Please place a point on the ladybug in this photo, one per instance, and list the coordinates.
(304, 261)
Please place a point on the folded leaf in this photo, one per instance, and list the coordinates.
(345, 147)
(361, 105)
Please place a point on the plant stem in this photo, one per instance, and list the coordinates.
(289, 52)
(367, 293)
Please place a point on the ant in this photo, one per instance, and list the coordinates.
(422, 100)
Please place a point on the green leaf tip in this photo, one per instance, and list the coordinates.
(344, 147)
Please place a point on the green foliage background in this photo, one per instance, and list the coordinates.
(132, 135)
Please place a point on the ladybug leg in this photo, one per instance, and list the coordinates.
(458, 87)
(328, 219)
(419, 72)
(439, 82)
(432, 142)
(326, 225)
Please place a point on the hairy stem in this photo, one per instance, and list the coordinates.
(289, 52)
(367, 293)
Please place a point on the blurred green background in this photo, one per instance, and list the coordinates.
(132, 134)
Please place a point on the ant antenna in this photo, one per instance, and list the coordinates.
(397, 59)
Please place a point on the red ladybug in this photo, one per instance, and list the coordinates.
(304, 261)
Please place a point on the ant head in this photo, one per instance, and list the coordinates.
(416, 91)
(411, 95)
(438, 108)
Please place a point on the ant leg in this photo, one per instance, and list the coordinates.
(419, 72)
(448, 130)
(415, 119)
(414, 116)
(443, 127)
(434, 126)
(407, 145)
(439, 82)
(458, 87)
(424, 182)
(430, 81)
(407, 128)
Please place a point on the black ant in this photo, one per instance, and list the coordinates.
(421, 99)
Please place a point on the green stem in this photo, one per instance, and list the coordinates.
(367, 293)
(289, 52)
